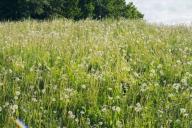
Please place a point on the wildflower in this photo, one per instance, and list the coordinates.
(88, 121)
(184, 82)
(186, 115)
(17, 79)
(82, 112)
(183, 110)
(34, 99)
(110, 89)
(138, 107)
(71, 115)
(15, 107)
(17, 93)
(143, 87)
(119, 124)
(104, 109)
(77, 120)
(83, 86)
(43, 91)
(100, 123)
(16, 97)
(176, 86)
(6, 104)
(110, 98)
(116, 108)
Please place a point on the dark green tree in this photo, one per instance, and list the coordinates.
(73, 9)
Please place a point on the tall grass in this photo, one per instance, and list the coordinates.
(113, 74)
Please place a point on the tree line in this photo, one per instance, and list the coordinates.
(72, 9)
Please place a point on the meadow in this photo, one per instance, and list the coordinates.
(95, 74)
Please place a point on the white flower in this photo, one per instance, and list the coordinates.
(100, 123)
(138, 107)
(16, 97)
(43, 91)
(104, 109)
(186, 115)
(34, 99)
(83, 86)
(82, 112)
(143, 87)
(183, 110)
(116, 108)
(17, 93)
(71, 115)
(119, 124)
(176, 86)
(77, 120)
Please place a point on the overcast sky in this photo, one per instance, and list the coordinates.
(166, 11)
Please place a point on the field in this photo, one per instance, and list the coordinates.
(99, 74)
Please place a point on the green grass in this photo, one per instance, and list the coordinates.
(85, 74)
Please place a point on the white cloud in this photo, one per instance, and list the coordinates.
(165, 11)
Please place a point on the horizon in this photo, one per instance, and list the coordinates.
(169, 12)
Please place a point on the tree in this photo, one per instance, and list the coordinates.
(72, 9)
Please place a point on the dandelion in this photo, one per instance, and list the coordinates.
(119, 124)
(15, 107)
(116, 108)
(43, 91)
(110, 89)
(184, 82)
(17, 93)
(88, 121)
(138, 107)
(143, 87)
(104, 109)
(110, 98)
(82, 112)
(71, 115)
(16, 97)
(186, 115)
(77, 120)
(100, 123)
(183, 110)
(34, 99)
(17, 79)
(83, 86)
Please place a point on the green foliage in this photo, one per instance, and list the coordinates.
(73, 9)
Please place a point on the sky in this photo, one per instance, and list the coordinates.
(165, 11)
